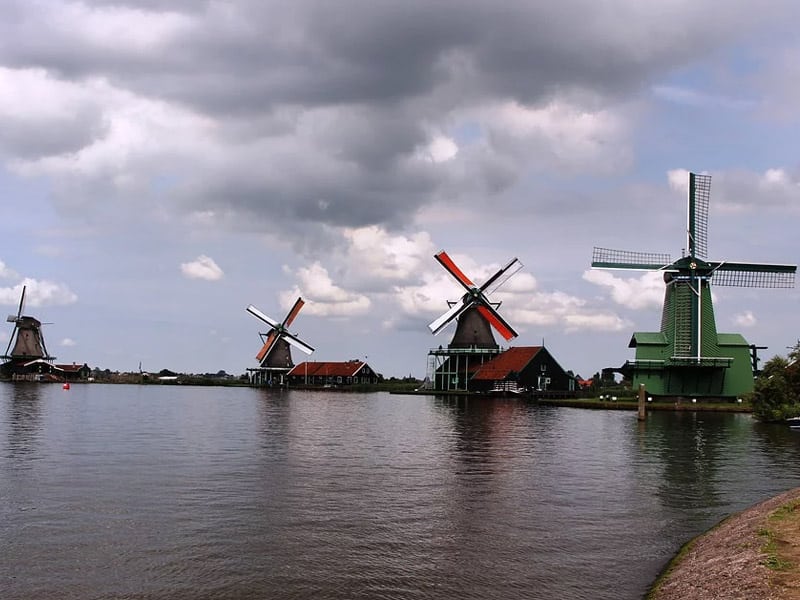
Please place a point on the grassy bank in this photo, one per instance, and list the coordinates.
(752, 554)
(594, 403)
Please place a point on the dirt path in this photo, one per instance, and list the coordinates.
(753, 555)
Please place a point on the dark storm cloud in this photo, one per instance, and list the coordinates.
(322, 108)
(250, 55)
(65, 133)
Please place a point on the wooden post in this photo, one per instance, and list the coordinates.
(642, 404)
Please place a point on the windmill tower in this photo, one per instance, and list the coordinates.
(27, 341)
(687, 357)
(473, 342)
(275, 357)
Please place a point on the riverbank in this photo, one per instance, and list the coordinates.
(728, 407)
(597, 404)
(752, 555)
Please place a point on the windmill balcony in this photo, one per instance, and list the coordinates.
(702, 361)
(679, 361)
(471, 350)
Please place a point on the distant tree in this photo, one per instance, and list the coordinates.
(777, 390)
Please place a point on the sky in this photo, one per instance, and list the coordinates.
(165, 163)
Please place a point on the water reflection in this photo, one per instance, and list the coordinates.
(171, 491)
(782, 440)
(24, 419)
(688, 446)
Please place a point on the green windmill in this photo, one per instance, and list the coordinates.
(687, 357)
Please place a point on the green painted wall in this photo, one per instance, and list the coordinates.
(658, 354)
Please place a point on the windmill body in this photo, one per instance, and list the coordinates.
(275, 357)
(473, 331)
(28, 340)
(687, 357)
(473, 342)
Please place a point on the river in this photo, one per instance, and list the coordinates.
(171, 492)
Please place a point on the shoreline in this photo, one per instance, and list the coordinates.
(594, 403)
(730, 560)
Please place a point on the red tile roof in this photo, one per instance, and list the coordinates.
(70, 368)
(328, 369)
(512, 360)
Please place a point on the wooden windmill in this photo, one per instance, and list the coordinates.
(475, 315)
(275, 356)
(687, 357)
(26, 343)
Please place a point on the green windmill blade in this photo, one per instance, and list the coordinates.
(733, 274)
(606, 258)
(697, 215)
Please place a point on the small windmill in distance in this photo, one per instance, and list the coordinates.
(275, 356)
(27, 341)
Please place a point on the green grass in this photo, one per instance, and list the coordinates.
(772, 559)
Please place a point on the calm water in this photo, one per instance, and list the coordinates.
(179, 492)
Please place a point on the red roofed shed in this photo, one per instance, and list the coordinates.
(349, 372)
(530, 367)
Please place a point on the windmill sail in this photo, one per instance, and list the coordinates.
(697, 229)
(753, 275)
(474, 309)
(606, 258)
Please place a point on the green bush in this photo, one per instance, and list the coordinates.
(777, 390)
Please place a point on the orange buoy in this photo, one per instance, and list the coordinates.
(66, 385)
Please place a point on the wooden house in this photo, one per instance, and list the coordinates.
(525, 368)
(332, 374)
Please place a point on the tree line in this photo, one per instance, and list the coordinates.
(776, 396)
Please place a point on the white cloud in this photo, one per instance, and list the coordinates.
(68, 342)
(38, 293)
(440, 149)
(132, 137)
(745, 319)
(375, 253)
(678, 180)
(7, 273)
(103, 28)
(554, 309)
(324, 298)
(203, 267)
(645, 291)
(561, 135)
(738, 191)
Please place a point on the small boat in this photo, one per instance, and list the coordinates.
(794, 423)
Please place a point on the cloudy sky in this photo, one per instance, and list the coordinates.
(165, 163)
